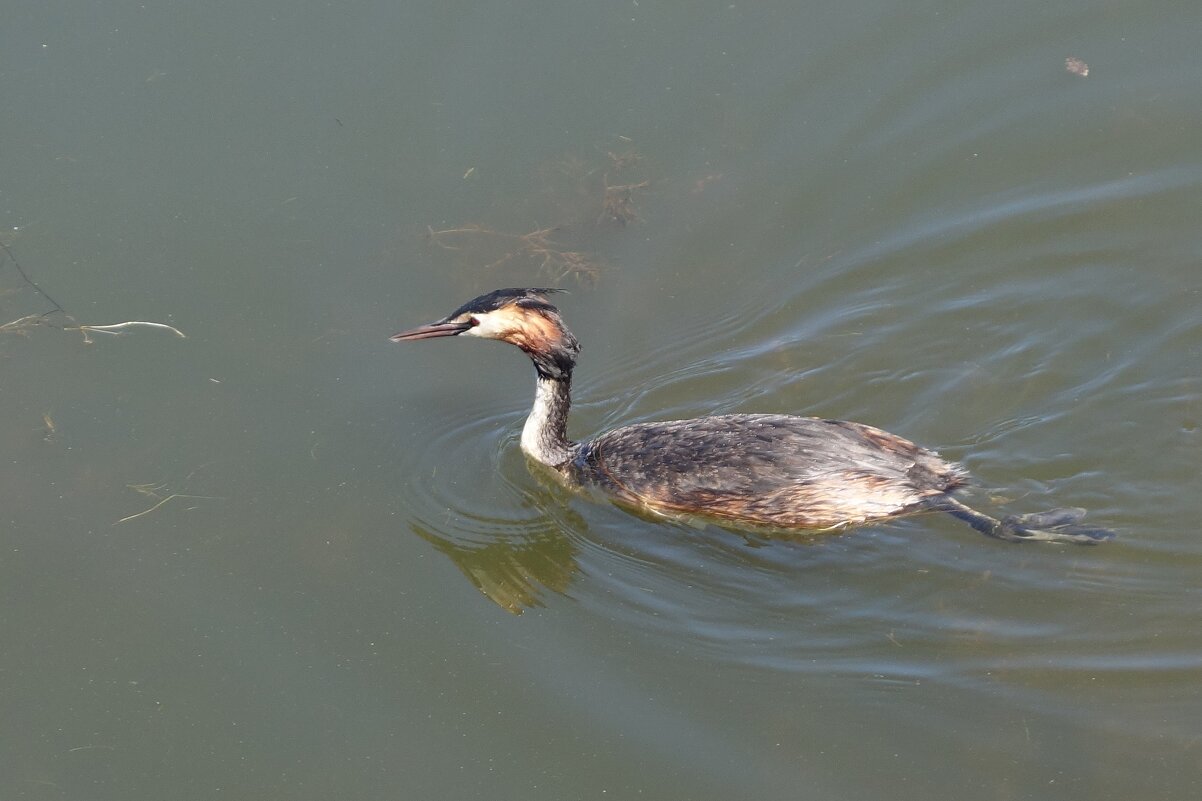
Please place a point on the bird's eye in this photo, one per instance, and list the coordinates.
(474, 321)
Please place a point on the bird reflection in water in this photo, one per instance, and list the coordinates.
(515, 569)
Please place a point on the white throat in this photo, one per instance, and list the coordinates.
(544, 437)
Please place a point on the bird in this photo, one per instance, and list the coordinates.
(771, 472)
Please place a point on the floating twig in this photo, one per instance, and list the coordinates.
(22, 324)
(116, 329)
(152, 491)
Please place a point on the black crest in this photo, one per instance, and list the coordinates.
(531, 298)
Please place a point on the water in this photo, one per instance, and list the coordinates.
(908, 215)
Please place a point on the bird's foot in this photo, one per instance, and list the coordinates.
(1055, 525)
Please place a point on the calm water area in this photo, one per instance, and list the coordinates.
(283, 558)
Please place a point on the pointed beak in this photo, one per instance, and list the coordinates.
(430, 331)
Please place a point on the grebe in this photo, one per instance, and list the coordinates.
(769, 471)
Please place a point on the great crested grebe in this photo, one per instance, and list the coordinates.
(770, 471)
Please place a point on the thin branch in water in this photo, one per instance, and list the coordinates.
(23, 324)
(25, 277)
(116, 329)
(470, 230)
(152, 491)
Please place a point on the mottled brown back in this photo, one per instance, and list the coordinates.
(772, 470)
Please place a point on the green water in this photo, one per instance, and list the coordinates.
(281, 558)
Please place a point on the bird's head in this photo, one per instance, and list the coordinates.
(521, 317)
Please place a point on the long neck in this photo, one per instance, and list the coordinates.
(545, 435)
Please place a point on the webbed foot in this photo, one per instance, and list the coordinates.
(1055, 525)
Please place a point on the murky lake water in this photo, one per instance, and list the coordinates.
(914, 216)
